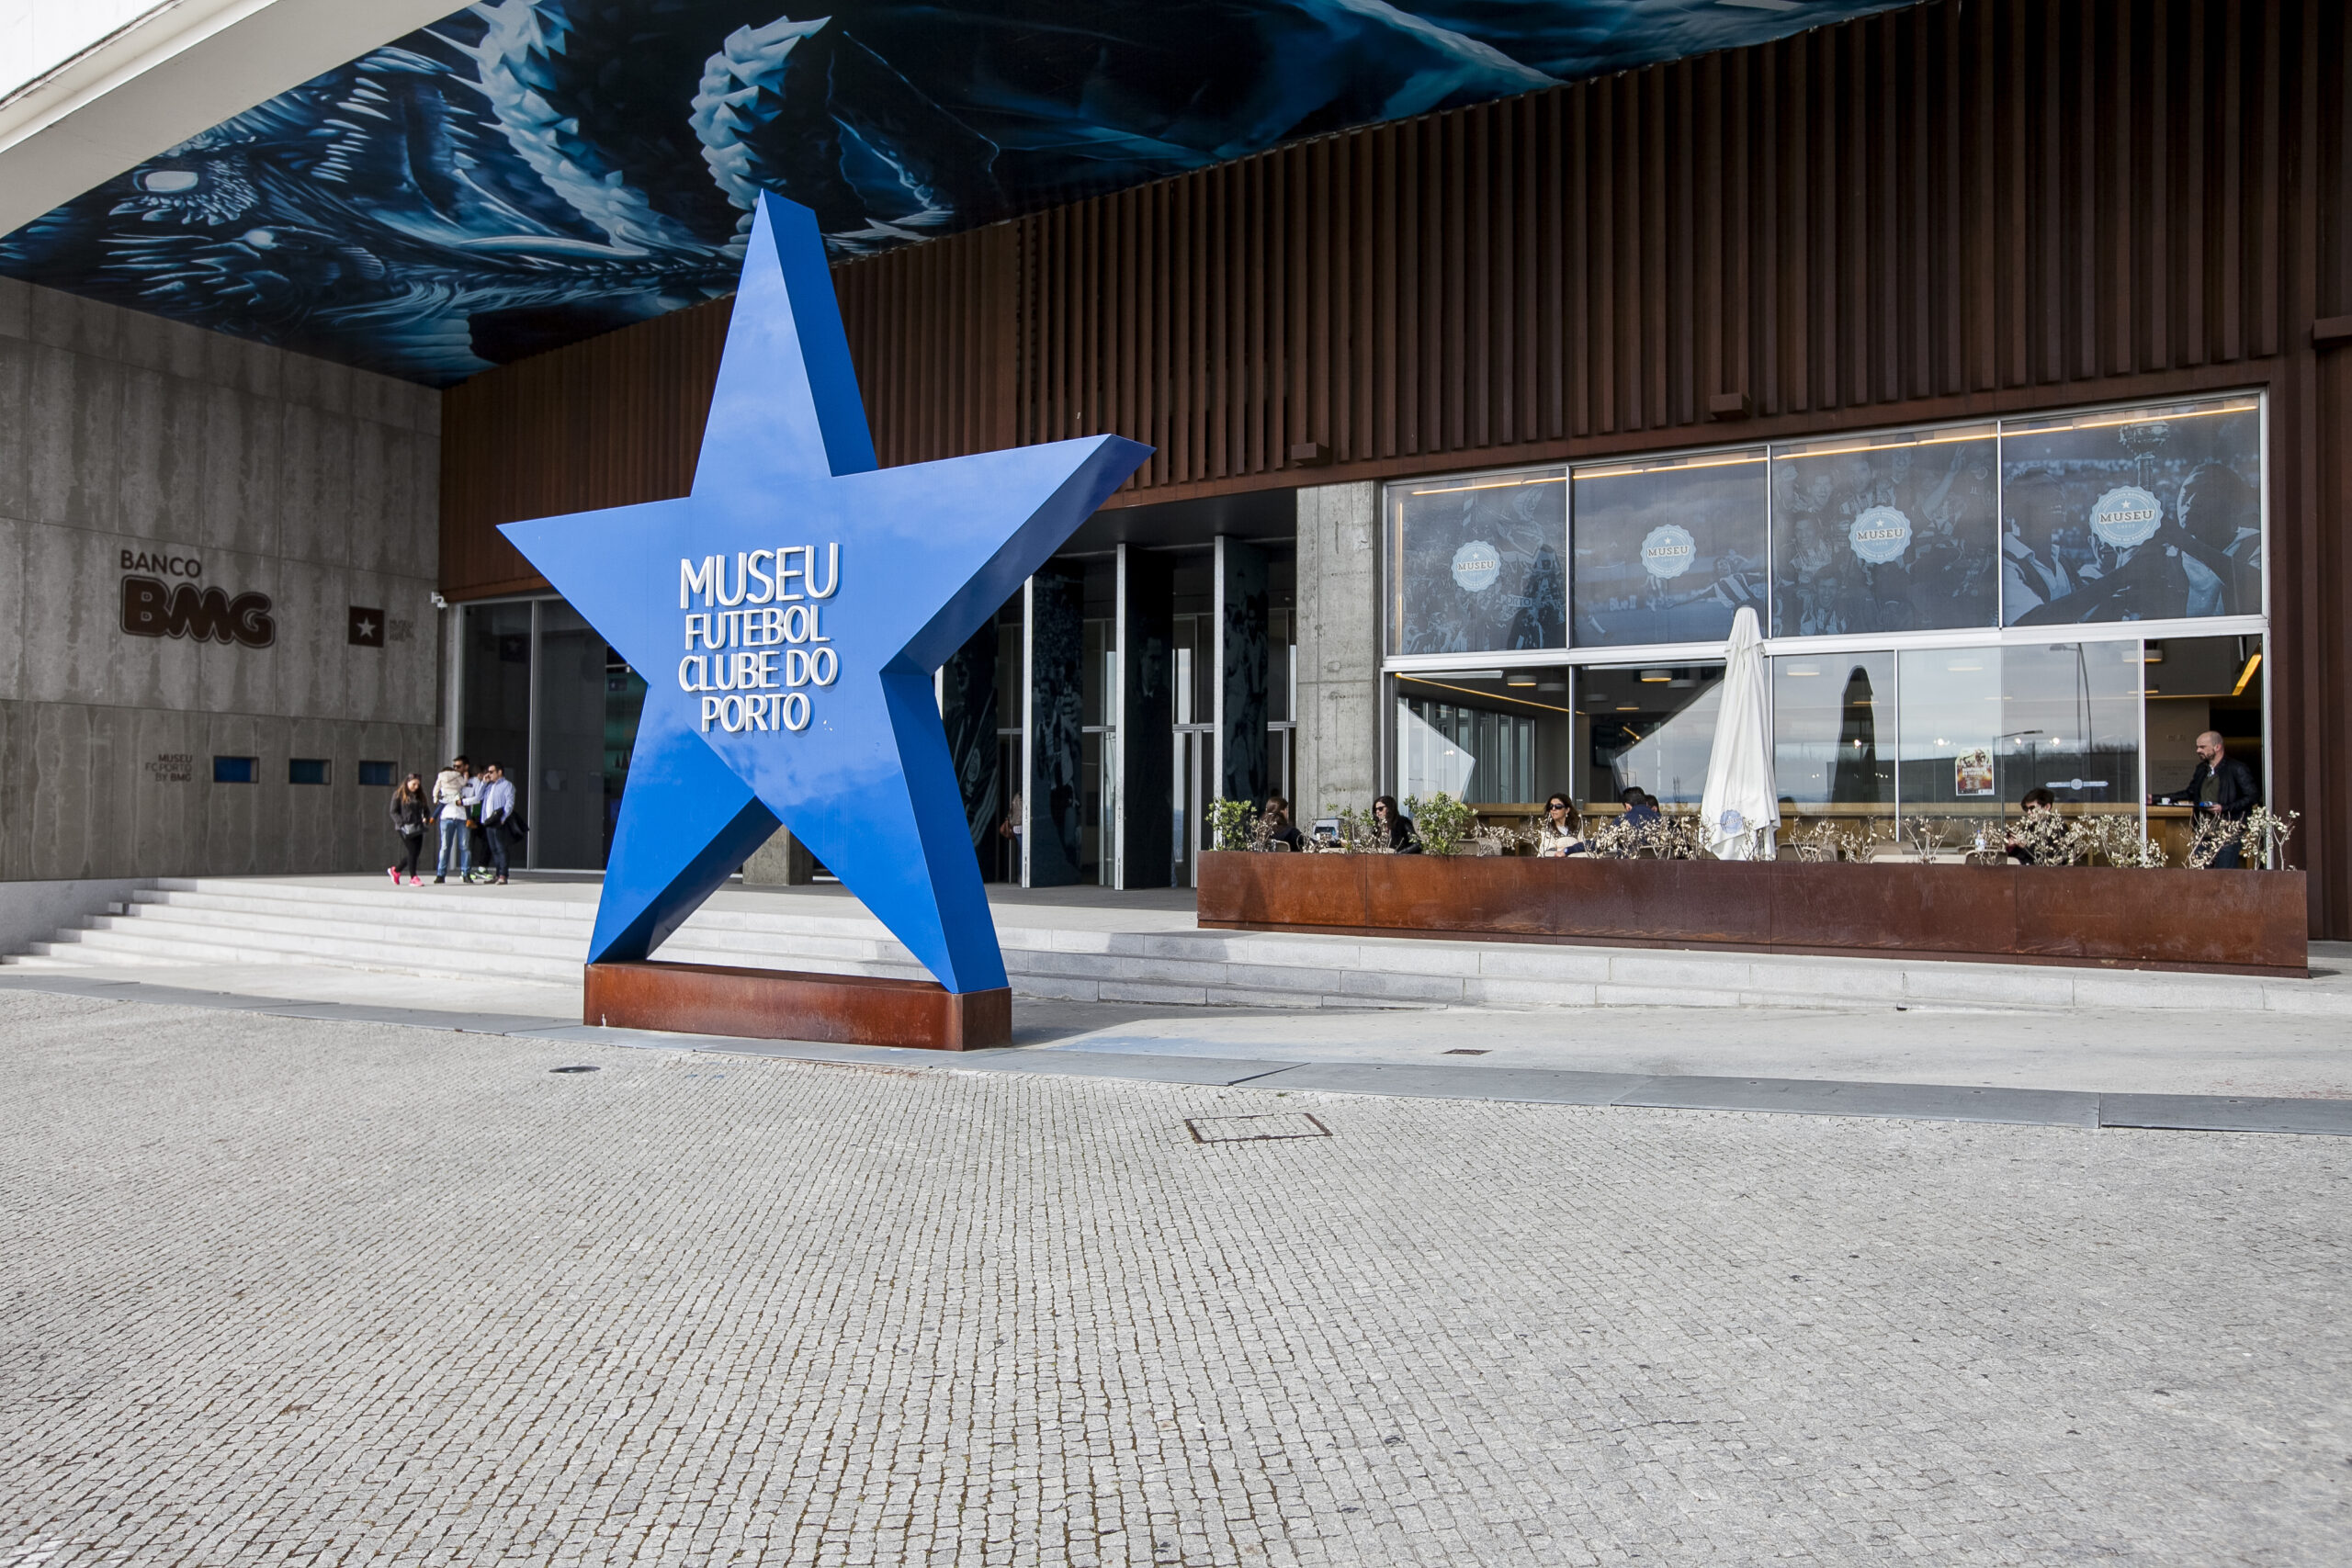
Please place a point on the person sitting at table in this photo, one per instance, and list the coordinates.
(1395, 826)
(1640, 804)
(1279, 828)
(1556, 835)
(2221, 789)
(2033, 800)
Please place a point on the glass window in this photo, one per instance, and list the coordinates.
(1830, 755)
(1478, 564)
(1009, 666)
(1982, 726)
(233, 770)
(2197, 684)
(561, 789)
(2143, 514)
(306, 770)
(1489, 737)
(1891, 532)
(2070, 723)
(1947, 718)
(496, 710)
(1667, 551)
(375, 776)
(1648, 727)
(624, 706)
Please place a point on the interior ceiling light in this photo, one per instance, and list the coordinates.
(1964, 669)
(1551, 685)
(2154, 654)
(1627, 707)
(2246, 675)
(1654, 676)
(1519, 680)
(1802, 672)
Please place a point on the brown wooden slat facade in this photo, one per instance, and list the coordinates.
(1950, 209)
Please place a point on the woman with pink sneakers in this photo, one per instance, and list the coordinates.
(408, 821)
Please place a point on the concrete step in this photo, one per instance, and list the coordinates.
(179, 927)
(566, 941)
(463, 912)
(305, 933)
(467, 933)
(123, 942)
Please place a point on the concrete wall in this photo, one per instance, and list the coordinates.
(1338, 647)
(36, 911)
(285, 475)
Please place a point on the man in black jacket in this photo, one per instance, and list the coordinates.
(2222, 789)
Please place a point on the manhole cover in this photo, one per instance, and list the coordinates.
(1255, 1129)
(571, 1069)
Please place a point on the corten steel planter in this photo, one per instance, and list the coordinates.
(773, 1004)
(2237, 923)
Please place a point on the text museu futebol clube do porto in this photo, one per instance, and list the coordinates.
(754, 635)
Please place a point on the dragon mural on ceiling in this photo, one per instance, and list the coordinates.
(528, 173)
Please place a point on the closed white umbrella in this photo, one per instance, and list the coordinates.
(1740, 799)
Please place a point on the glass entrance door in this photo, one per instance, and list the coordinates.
(1189, 795)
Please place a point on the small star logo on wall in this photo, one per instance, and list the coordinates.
(366, 627)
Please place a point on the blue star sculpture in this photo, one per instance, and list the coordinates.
(788, 614)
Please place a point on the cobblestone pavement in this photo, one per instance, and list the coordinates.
(273, 1290)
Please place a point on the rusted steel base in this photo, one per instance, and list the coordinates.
(773, 1004)
(2236, 923)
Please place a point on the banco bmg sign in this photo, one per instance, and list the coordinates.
(154, 607)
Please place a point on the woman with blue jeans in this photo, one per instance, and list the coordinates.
(449, 809)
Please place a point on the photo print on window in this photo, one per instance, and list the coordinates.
(2133, 515)
(1667, 551)
(1483, 572)
(1892, 533)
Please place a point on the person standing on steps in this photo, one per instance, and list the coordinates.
(497, 818)
(449, 788)
(408, 821)
(477, 841)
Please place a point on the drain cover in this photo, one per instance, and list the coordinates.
(571, 1069)
(1255, 1129)
(1466, 1050)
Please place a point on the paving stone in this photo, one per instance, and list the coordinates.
(288, 1290)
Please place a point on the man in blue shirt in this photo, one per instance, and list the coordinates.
(497, 817)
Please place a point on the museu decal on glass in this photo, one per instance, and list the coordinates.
(2134, 515)
(1483, 572)
(1666, 551)
(1887, 533)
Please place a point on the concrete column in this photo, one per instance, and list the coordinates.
(783, 862)
(1338, 647)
